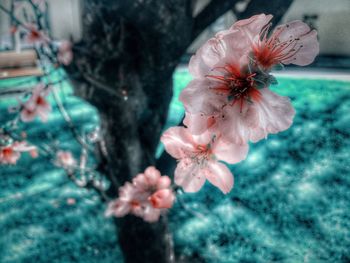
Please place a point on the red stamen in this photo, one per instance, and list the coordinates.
(234, 84)
(40, 101)
(7, 152)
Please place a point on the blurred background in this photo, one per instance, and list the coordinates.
(330, 20)
(291, 200)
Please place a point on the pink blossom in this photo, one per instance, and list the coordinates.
(227, 47)
(65, 54)
(151, 180)
(128, 202)
(291, 43)
(34, 153)
(228, 102)
(65, 159)
(199, 157)
(147, 196)
(163, 198)
(228, 95)
(246, 120)
(34, 35)
(36, 105)
(10, 154)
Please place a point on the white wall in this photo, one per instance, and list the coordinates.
(4, 22)
(64, 16)
(333, 22)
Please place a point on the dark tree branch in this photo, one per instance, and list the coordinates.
(276, 7)
(209, 14)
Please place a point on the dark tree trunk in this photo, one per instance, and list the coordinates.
(123, 66)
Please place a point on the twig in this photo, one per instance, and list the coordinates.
(100, 85)
(68, 120)
(209, 14)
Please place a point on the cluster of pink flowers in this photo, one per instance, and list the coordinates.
(37, 105)
(62, 51)
(147, 196)
(228, 103)
(11, 153)
(35, 36)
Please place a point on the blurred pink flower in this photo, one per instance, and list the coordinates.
(228, 47)
(10, 154)
(65, 54)
(228, 96)
(146, 197)
(128, 202)
(243, 120)
(34, 35)
(36, 105)
(199, 157)
(163, 198)
(65, 159)
(229, 103)
(291, 43)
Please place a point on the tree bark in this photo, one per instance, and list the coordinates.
(124, 66)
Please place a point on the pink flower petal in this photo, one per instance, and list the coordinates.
(271, 114)
(163, 198)
(235, 52)
(253, 25)
(151, 214)
(65, 54)
(206, 58)
(178, 142)
(163, 182)
(275, 113)
(152, 175)
(198, 97)
(28, 115)
(220, 176)
(127, 192)
(189, 175)
(230, 152)
(117, 208)
(198, 123)
(140, 182)
(307, 45)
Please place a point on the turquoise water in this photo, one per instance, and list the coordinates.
(290, 202)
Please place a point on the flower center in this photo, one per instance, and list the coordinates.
(234, 84)
(202, 154)
(34, 34)
(135, 204)
(40, 101)
(7, 152)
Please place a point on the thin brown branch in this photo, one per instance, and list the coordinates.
(209, 14)
(277, 8)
